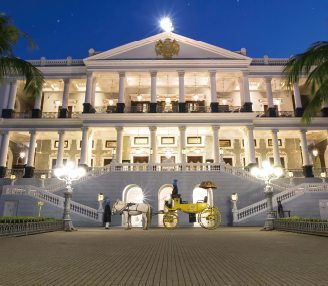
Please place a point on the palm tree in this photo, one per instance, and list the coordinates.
(12, 66)
(314, 64)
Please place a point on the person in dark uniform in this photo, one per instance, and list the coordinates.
(107, 214)
(175, 189)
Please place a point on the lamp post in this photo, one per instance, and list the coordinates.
(323, 177)
(234, 199)
(184, 152)
(151, 155)
(291, 179)
(12, 179)
(268, 173)
(221, 155)
(43, 176)
(40, 204)
(68, 174)
(100, 200)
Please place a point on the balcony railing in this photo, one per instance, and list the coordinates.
(278, 113)
(166, 109)
(26, 114)
(198, 109)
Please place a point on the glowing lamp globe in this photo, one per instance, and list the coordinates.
(290, 174)
(111, 102)
(100, 197)
(224, 101)
(315, 152)
(234, 197)
(168, 100)
(22, 154)
(12, 177)
(265, 164)
(255, 171)
(195, 97)
(168, 154)
(323, 175)
(139, 97)
(278, 171)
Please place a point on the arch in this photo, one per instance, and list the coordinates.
(133, 194)
(199, 194)
(162, 193)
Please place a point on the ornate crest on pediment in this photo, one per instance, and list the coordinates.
(167, 48)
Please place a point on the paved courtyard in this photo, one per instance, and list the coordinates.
(185, 256)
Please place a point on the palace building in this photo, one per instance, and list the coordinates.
(162, 108)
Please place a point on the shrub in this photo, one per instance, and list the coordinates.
(296, 218)
(18, 219)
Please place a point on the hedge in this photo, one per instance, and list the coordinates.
(17, 219)
(296, 218)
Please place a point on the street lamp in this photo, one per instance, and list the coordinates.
(268, 173)
(234, 199)
(184, 152)
(221, 155)
(100, 200)
(68, 174)
(43, 176)
(323, 177)
(291, 178)
(13, 179)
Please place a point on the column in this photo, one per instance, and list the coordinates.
(119, 144)
(87, 108)
(153, 143)
(29, 169)
(6, 95)
(297, 99)
(251, 147)
(8, 112)
(93, 94)
(271, 110)
(153, 100)
(63, 110)
(36, 111)
(246, 149)
(214, 100)
(182, 101)
(60, 151)
(275, 144)
(3, 153)
(121, 104)
(84, 147)
(247, 97)
(216, 141)
(182, 130)
(307, 167)
(241, 88)
(90, 138)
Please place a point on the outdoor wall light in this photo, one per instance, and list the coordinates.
(221, 151)
(184, 151)
(234, 197)
(323, 175)
(43, 176)
(290, 174)
(100, 197)
(114, 152)
(12, 177)
(315, 152)
(151, 151)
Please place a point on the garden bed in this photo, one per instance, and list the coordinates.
(18, 226)
(302, 225)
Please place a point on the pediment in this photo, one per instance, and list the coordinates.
(145, 50)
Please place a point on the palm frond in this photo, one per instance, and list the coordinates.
(14, 67)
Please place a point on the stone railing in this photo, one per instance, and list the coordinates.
(163, 109)
(270, 62)
(50, 115)
(298, 173)
(229, 109)
(307, 227)
(105, 109)
(66, 62)
(198, 109)
(9, 228)
(19, 173)
(19, 115)
(284, 196)
(52, 199)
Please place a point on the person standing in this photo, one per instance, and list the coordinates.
(280, 210)
(107, 214)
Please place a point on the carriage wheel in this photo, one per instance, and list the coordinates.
(170, 220)
(210, 218)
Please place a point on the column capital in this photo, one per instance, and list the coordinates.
(212, 73)
(268, 79)
(215, 128)
(84, 128)
(181, 73)
(274, 131)
(245, 73)
(182, 128)
(90, 74)
(153, 128)
(67, 80)
(153, 73)
(13, 80)
(250, 128)
(240, 80)
(121, 73)
(95, 79)
(62, 132)
(303, 131)
(32, 132)
(119, 128)
(4, 132)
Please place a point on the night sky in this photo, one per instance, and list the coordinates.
(277, 28)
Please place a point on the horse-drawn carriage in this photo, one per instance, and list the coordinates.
(208, 216)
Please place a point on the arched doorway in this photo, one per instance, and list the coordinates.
(163, 194)
(133, 194)
(199, 194)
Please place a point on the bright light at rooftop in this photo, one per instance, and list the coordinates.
(166, 25)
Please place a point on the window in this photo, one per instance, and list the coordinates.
(93, 144)
(257, 161)
(54, 162)
(194, 140)
(78, 162)
(107, 161)
(140, 140)
(225, 143)
(57, 144)
(243, 142)
(282, 161)
(167, 140)
(270, 142)
(110, 144)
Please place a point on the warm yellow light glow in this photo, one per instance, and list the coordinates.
(315, 152)
(138, 151)
(43, 176)
(100, 197)
(224, 101)
(197, 151)
(255, 171)
(22, 154)
(278, 171)
(139, 97)
(168, 154)
(168, 100)
(221, 151)
(58, 102)
(184, 152)
(276, 102)
(323, 175)
(234, 197)
(290, 174)
(266, 164)
(12, 177)
(195, 97)
(111, 101)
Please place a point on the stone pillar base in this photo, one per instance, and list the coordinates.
(120, 107)
(182, 107)
(36, 113)
(272, 112)
(307, 171)
(7, 113)
(3, 171)
(247, 107)
(214, 107)
(63, 113)
(153, 107)
(29, 172)
(87, 108)
(324, 112)
(299, 112)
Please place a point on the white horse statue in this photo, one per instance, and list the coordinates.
(133, 209)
